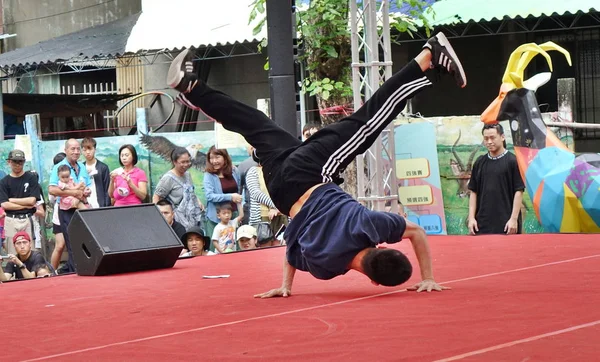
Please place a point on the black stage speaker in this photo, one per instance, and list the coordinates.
(111, 240)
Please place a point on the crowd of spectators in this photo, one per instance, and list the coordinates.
(238, 215)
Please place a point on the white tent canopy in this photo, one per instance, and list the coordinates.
(177, 24)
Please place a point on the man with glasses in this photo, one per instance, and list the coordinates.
(19, 193)
(22, 265)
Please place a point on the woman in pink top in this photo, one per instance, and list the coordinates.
(129, 184)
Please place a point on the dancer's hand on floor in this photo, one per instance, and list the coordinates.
(428, 285)
(279, 292)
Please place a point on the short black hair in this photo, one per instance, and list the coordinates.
(164, 202)
(309, 126)
(88, 141)
(178, 152)
(59, 157)
(223, 207)
(387, 267)
(38, 267)
(497, 126)
(133, 153)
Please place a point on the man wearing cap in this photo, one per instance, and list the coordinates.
(22, 265)
(78, 174)
(196, 242)
(19, 193)
(246, 237)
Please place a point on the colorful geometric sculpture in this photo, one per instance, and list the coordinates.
(564, 187)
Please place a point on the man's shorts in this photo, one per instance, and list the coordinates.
(12, 225)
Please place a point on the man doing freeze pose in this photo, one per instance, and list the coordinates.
(330, 232)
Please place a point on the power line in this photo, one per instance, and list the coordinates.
(53, 15)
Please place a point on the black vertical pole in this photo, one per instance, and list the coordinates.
(281, 63)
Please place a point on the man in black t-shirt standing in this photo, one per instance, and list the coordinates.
(19, 193)
(23, 264)
(496, 188)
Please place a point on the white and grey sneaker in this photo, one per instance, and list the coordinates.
(443, 57)
(181, 74)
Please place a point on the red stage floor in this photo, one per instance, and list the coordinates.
(514, 298)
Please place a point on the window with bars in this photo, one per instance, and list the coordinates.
(584, 47)
(588, 80)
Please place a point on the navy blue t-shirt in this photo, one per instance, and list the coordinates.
(332, 227)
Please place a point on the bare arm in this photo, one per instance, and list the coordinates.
(111, 186)
(140, 191)
(418, 238)
(7, 205)
(27, 274)
(29, 202)
(155, 198)
(217, 247)
(56, 191)
(240, 212)
(288, 276)
(472, 222)
(39, 211)
(512, 225)
(286, 286)
(472, 204)
(4, 276)
(517, 201)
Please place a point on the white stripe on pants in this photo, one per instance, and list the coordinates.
(381, 116)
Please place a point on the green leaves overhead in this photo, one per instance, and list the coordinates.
(325, 48)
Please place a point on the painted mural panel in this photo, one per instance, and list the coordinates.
(153, 154)
(459, 143)
(107, 150)
(417, 171)
(160, 145)
(436, 152)
(5, 147)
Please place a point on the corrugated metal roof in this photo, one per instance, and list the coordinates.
(463, 11)
(177, 24)
(103, 40)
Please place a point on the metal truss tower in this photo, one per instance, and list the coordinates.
(376, 169)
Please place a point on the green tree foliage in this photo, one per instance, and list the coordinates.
(324, 28)
(325, 40)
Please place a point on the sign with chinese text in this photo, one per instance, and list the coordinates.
(418, 174)
(415, 195)
(413, 168)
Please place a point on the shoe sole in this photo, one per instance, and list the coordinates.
(176, 74)
(444, 42)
